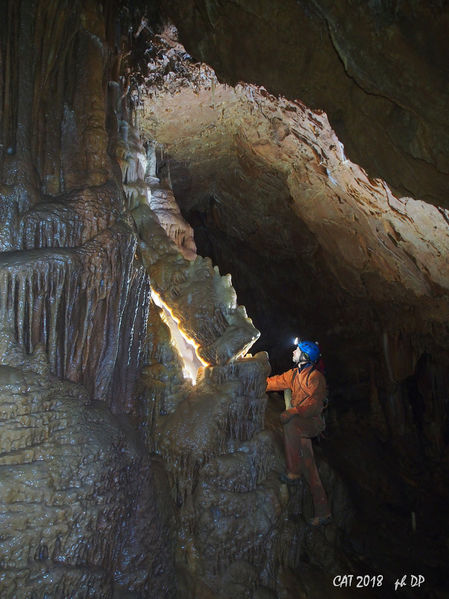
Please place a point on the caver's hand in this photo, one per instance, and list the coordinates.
(287, 415)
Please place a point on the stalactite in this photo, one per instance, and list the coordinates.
(50, 294)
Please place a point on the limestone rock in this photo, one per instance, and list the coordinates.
(327, 249)
(378, 70)
(79, 510)
(50, 294)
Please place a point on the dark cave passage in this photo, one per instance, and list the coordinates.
(165, 233)
(386, 407)
(387, 373)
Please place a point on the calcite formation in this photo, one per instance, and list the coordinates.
(76, 491)
(74, 481)
(203, 301)
(220, 462)
(359, 268)
(119, 476)
(51, 293)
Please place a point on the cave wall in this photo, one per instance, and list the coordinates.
(378, 69)
(69, 278)
(315, 245)
(80, 498)
(114, 482)
(80, 502)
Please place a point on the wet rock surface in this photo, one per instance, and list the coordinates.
(308, 233)
(78, 506)
(119, 477)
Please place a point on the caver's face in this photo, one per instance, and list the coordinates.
(296, 355)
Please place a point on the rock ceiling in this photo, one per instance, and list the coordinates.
(378, 69)
(273, 197)
(217, 128)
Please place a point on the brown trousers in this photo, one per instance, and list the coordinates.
(300, 460)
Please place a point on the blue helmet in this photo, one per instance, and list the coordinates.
(310, 349)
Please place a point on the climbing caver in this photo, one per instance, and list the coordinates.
(302, 421)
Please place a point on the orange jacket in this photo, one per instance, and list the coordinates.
(309, 390)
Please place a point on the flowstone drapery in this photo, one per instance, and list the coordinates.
(78, 497)
(230, 509)
(65, 299)
(117, 475)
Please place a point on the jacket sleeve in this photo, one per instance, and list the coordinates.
(280, 382)
(312, 404)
